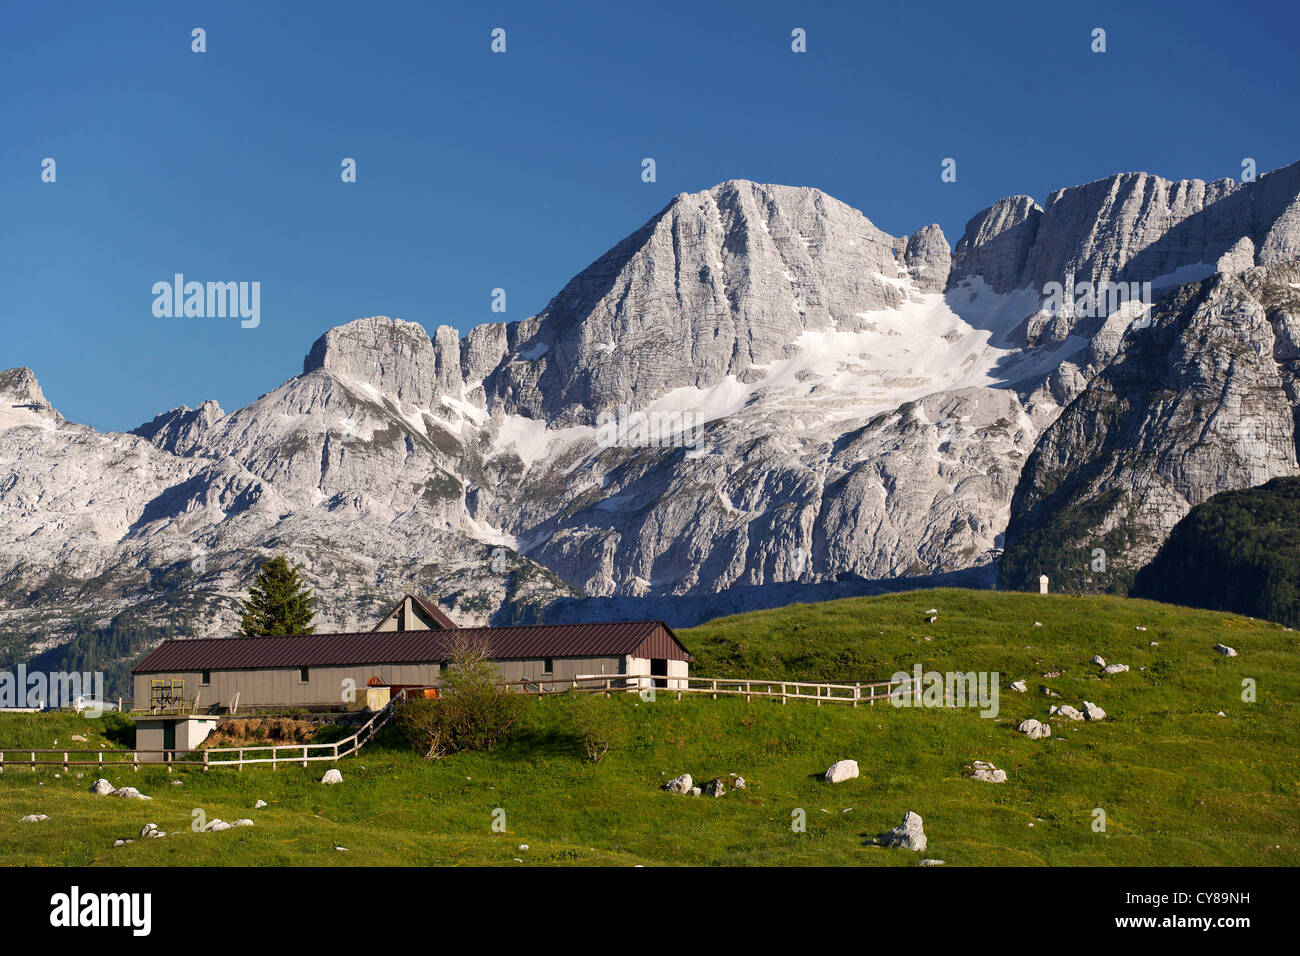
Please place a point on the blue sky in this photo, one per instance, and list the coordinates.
(478, 170)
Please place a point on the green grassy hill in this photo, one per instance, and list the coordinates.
(1179, 785)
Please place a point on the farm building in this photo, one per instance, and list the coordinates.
(407, 649)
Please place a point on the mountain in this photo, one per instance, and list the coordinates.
(756, 396)
(1204, 399)
(1238, 551)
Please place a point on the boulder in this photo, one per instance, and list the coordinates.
(930, 863)
(102, 787)
(1020, 687)
(1034, 729)
(1225, 650)
(130, 793)
(259, 805)
(332, 776)
(714, 788)
(908, 835)
(242, 823)
(1092, 711)
(1116, 668)
(682, 784)
(842, 770)
(738, 783)
(150, 831)
(34, 818)
(1098, 660)
(216, 826)
(981, 770)
(1066, 711)
(695, 791)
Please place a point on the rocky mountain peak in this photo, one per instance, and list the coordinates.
(21, 400)
(720, 281)
(394, 356)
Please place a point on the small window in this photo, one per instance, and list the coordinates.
(548, 666)
(205, 679)
(302, 675)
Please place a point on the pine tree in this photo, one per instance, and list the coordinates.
(278, 602)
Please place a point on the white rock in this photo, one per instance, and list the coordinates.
(842, 770)
(1098, 660)
(1092, 711)
(682, 784)
(102, 787)
(130, 793)
(523, 848)
(1225, 650)
(909, 835)
(242, 823)
(1020, 687)
(1066, 711)
(332, 775)
(981, 770)
(930, 863)
(694, 791)
(1116, 668)
(739, 783)
(1034, 729)
(34, 818)
(259, 805)
(216, 826)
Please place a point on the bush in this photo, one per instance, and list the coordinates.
(597, 721)
(471, 713)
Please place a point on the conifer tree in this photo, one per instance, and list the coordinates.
(278, 602)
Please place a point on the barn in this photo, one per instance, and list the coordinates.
(407, 648)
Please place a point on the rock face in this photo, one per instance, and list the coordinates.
(755, 398)
(908, 835)
(1194, 404)
(842, 770)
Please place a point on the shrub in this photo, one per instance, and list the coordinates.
(597, 721)
(471, 713)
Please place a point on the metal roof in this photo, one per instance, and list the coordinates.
(431, 609)
(408, 647)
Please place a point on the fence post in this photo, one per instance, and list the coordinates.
(205, 761)
(857, 694)
(304, 755)
(33, 761)
(715, 690)
(241, 758)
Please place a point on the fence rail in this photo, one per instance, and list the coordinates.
(853, 694)
(823, 692)
(238, 757)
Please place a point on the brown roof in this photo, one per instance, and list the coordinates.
(411, 647)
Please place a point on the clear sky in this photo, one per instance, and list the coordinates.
(478, 171)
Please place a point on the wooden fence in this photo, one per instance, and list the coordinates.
(237, 757)
(277, 755)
